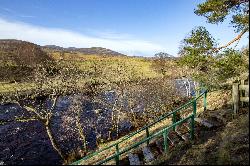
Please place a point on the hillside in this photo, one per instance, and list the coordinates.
(19, 58)
(18, 52)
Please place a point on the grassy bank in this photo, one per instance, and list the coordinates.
(76, 71)
(225, 145)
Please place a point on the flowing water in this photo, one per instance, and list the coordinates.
(27, 142)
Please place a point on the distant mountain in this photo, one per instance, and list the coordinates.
(87, 51)
(53, 47)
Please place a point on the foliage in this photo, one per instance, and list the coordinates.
(21, 53)
(217, 10)
(229, 64)
(225, 66)
(18, 59)
(13, 73)
(199, 51)
(196, 48)
(160, 62)
(130, 78)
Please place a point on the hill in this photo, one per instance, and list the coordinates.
(19, 58)
(18, 52)
(19, 70)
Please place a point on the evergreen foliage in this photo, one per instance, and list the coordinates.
(213, 65)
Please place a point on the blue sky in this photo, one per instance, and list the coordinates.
(133, 27)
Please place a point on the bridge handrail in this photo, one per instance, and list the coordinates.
(116, 144)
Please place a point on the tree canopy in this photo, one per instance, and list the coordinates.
(196, 48)
(217, 10)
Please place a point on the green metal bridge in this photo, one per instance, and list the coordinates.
(117, 151)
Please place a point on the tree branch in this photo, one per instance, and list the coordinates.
(26, 119)
(29, 109)
(18, 119)
(232, 41)
(54, 103)
(33, 110)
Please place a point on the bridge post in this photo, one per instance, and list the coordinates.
(205, 101)
(147, 134)
(194, 108)
(235, 93)
(174, 119)
(165, 140)
(117, 154)
(192, 127)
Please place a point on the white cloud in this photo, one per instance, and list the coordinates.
(66, 38)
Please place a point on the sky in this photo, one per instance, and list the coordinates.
(132, 27)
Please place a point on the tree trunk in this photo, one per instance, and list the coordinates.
(117, 123)
(186, 88)
(53, 142)
(80, 130)
(189, 87)
(134, 118)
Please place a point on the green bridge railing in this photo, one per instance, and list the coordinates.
(163, 132)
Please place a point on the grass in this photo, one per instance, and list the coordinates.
(215, 100)
(111, 67)
(13, 87)
(134, 66)
(225, 145)
(234, 147)
(104, 69)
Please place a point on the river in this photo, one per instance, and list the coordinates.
(25, 143)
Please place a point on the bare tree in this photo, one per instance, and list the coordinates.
(50, 82)
(43, 116)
